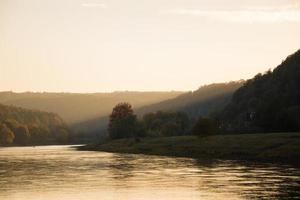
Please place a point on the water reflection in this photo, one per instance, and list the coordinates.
(60, 172)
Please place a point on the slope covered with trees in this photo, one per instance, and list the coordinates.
(75, 108)
(269, 102)
(123, 123)
(205, 101)
(20, 126)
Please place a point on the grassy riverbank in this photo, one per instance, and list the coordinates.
(269, 147)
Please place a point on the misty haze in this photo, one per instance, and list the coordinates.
(161, 99)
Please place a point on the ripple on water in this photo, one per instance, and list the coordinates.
(60, 172)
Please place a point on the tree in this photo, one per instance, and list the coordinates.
(6, 135)
(35, 132)
(62, 135)
(22, 135)
(166, 123)
(204, 127)
(33, 127)
(122, 122)
(271, 98)
(12, 124)
(170, 129)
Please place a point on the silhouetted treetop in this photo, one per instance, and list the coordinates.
(122, 122)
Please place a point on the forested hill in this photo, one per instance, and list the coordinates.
(268, 102)
(20, 126)
(202, 102)
(76, 107)
(205, 101)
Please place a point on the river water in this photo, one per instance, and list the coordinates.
(62, 173)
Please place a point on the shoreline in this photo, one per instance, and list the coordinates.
(265, 147)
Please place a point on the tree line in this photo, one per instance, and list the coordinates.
(20, 126)
(269, 102)
(123, 123)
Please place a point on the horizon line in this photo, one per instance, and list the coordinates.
(120, 91)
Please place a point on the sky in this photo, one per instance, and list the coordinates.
(141, 45)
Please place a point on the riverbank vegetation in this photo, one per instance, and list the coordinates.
(203, 102)
(20, 126)
(265, 105)
(269, 102)
(267, 147)
(123, 123)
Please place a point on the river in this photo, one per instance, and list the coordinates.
(63, 173)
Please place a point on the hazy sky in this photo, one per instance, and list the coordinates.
(107, 45)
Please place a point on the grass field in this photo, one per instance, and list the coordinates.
(269, 147)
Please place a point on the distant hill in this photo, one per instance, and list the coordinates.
(23, 126)
(75, 107)
(269, 102)
(202, 102)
